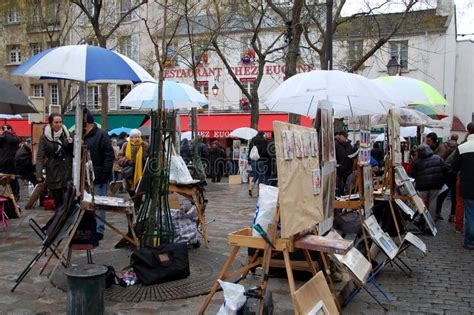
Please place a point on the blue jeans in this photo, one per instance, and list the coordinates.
(100, 190)
(469, 222)
(258, 170)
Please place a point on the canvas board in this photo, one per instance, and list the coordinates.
(314, 294)
(300, 207)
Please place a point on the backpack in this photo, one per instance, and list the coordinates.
(254, 156)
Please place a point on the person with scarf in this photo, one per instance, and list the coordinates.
(134, 153)
(55, 155)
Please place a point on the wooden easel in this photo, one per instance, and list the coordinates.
(285, 246)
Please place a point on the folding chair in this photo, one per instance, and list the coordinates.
(59, 227)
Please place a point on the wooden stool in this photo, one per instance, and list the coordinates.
(3, 216)
(86, 247)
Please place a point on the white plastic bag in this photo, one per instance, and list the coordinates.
(254, 155)
(234, 298)
(179, 172)
(266, 206)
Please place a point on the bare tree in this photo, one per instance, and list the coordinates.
(104, 24)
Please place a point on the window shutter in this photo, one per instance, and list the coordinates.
(112, 97)
(135, 47)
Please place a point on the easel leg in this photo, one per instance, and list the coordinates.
(291, 280)
(221, 275)
(328, 277)
(201, 219)
(395, 219)
(310, 261)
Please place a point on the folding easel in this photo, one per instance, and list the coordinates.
(5, 180)
(285, 246)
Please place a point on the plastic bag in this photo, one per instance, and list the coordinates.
(254, 155)
(179, 172)
(266, 206)
(234, 298)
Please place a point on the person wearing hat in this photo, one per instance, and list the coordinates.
(102, 156)
(133, 154)
(344, 162)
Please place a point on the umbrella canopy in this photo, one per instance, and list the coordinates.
(407, 117)
(145, 130)
(187, 135)
(83, 63)
(350, 94)
(73, 127)
(119, 130)
(244, 133)
(381, 137)
(175, 95)
(13, 101)
(413, 91)
(411, 131)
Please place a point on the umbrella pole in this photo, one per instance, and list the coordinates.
(78, 138)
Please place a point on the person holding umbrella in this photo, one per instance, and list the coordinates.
(55, 155)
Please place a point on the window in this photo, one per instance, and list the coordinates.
(124, 90)
(400, 51)
(38, 90)
(125, 46)
(125, 6)
(13, 16)
(248, 84)
(15, 54)
(35, 48)
(246, 43)
(53, 44)
(203, 87)
(354, 52)
(37, 15)
(93, 97)
(53, 94)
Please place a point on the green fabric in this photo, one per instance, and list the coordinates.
(432, 94)
(115, 121)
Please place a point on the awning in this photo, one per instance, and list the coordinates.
(21, 127)
(221, 125)
(128, 120)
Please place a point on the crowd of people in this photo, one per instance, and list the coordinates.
(438, 168)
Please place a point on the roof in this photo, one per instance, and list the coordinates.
(416, 22)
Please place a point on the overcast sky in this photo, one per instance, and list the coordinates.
(465, 11)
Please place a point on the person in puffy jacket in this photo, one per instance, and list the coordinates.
(428, 172)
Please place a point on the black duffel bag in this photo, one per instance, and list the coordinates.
(162, 264)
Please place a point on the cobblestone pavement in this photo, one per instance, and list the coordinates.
(442, 282)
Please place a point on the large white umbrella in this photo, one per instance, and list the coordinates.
(175, 95)
(381, 137)
(244, 133)
(411, 131)
(350, 94)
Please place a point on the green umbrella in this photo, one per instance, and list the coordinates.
(413, 91)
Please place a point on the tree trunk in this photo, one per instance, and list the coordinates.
(254, 113)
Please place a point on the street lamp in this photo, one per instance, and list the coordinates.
(393, 67)
(215, 90)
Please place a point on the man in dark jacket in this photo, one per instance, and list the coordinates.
(8, 146)
(102, 156)
(258, 166)
(462, 160)
(344, 162)
(428, 170)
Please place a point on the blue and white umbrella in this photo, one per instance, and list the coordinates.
(83, 63)
(118, 131)
(175, 95)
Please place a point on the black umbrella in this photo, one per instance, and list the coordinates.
(13, 101)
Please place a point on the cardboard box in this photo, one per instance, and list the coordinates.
(235, 180)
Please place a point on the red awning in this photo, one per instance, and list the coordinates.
(20, 126)
(220, 125)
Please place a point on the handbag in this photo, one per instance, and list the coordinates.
(164, 263)
(128, 171)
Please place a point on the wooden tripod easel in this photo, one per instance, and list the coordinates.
(244, 238)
